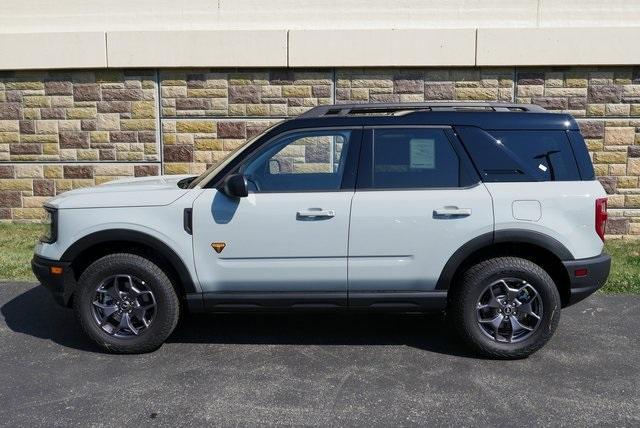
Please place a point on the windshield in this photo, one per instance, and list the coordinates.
(224, 161)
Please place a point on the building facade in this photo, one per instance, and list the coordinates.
(94, 95)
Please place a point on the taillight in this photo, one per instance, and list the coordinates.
(601, 217)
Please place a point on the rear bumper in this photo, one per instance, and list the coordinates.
(61, 286)
(584, 284)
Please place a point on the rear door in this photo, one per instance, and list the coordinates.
(418, 200)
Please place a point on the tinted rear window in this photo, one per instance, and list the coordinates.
(524, 155)
(548, 154)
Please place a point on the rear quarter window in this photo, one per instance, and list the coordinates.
(548, 154)
(522, 155)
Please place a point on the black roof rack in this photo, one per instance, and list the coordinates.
(397, 109)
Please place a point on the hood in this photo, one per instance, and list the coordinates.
(130, 192)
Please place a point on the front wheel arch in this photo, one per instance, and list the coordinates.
(95, 245)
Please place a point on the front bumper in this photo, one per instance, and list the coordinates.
(62, 285)
(586, 276)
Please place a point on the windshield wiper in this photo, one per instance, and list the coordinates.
(547, 157)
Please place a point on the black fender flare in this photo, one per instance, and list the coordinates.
(136, 237)
(514, 236)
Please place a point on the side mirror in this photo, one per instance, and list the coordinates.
(235, 186)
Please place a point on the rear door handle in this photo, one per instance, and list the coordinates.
(315, 213)
(448, 212)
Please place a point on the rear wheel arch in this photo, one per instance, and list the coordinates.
(536, 247)
(95, 245)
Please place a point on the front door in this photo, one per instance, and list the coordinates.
(290, 234)
(418, 200)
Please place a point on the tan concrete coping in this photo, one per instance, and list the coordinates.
(322, 48)
(372, 48)
(558, 46)
(223, 48)
(20, 51)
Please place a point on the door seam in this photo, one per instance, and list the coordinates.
(353, 195)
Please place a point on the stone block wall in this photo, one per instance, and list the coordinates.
(266, 93)
(432, 84)
(78, 116)
(62, 130)
(66, 129)
(190, 146)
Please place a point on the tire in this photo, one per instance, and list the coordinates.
(476, 307)
(154, 301)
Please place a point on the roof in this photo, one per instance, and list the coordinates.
(403, 108)
(485, 115)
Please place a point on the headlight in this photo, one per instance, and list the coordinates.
(50, 225)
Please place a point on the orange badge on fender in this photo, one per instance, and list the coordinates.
(218, 246)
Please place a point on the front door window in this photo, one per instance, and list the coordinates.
(299, 162)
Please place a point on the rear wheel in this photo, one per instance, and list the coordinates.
(126, 303)
(506, 307)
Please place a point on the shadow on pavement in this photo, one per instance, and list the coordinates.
(35, 313)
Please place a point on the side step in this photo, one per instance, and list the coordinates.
(413, 301)
(399, 301)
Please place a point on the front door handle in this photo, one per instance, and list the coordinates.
(315, 213)
(448, 212)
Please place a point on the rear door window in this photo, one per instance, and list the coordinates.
(401, 158)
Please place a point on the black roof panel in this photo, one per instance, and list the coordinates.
(488, 120)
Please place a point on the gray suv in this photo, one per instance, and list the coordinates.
(490, 212)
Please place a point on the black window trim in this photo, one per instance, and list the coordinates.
(465, 161)
(581, 155)
(347, 184)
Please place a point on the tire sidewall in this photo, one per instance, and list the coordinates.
(535, 276)
(165, 317)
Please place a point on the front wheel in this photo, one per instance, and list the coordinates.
(506, 307)
(126, 303)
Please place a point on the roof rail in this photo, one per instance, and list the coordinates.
(404, 108)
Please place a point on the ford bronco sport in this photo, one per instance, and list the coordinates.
(488, 211)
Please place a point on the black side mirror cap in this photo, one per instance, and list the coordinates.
(236, 186)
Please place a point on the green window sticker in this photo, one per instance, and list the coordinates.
(422, 153)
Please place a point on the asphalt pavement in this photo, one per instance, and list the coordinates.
(337, 370)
